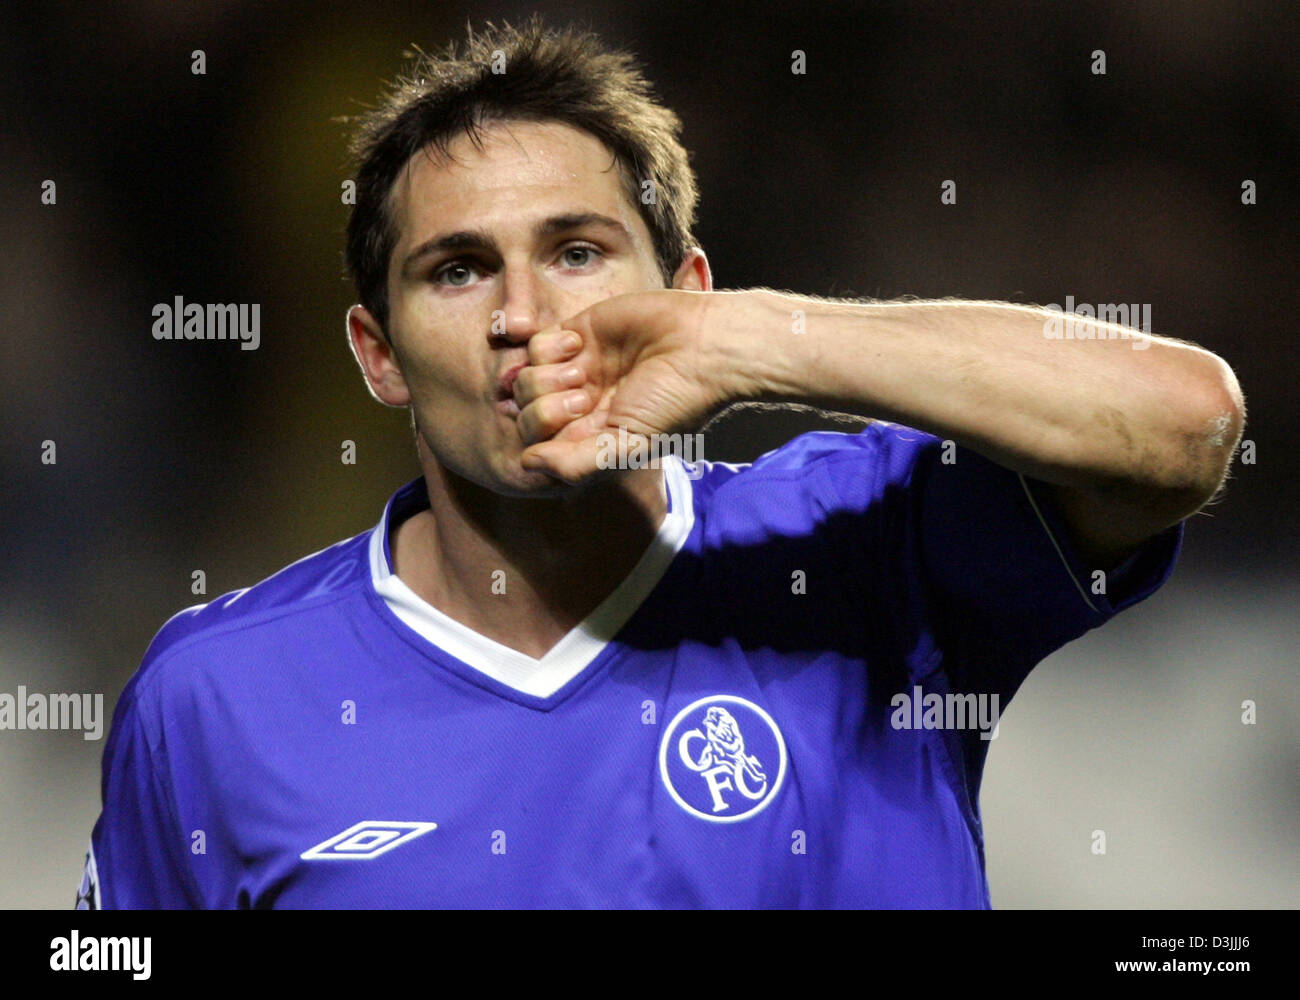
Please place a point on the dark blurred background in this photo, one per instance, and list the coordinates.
(225, 187)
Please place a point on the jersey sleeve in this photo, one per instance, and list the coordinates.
(984, 581)
(972, 574)
(137, 857)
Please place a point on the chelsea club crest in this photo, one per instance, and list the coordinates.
(722, 758)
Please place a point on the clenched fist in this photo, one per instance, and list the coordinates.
(657, 362)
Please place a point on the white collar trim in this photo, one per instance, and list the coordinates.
(583, 643)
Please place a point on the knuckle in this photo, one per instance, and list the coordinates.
(552, 414)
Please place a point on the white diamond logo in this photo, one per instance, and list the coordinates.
(367, 839)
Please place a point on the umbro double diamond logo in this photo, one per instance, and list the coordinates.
(367, 839)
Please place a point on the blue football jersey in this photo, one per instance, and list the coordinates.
(767, 712)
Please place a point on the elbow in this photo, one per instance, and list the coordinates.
(1212, 429)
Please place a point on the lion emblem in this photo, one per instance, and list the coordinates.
(725, 745)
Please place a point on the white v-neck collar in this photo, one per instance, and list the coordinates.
(583, 643)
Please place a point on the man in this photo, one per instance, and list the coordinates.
(542, 682)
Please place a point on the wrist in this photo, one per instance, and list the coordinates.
(772, 348)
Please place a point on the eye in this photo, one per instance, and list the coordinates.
(579, 256)
(456, 274)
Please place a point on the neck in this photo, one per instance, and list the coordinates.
(524, 571)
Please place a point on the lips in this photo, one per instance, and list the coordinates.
(506, 384)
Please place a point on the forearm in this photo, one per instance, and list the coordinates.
(1091, 414)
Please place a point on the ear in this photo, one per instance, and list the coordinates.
(694, 275)
(377, 358)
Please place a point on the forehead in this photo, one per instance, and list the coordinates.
(521, 171)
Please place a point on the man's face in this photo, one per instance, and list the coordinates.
(529, 230)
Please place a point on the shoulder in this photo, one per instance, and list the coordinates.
(246, 628)
(824, 484)
(827, 461)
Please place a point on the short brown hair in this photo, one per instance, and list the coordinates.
(565, 75)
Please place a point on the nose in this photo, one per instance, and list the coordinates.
(526, 306)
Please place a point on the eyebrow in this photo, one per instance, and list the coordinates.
(479, 239)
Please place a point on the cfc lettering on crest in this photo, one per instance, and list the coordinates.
(723, 758)
(711, 770)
